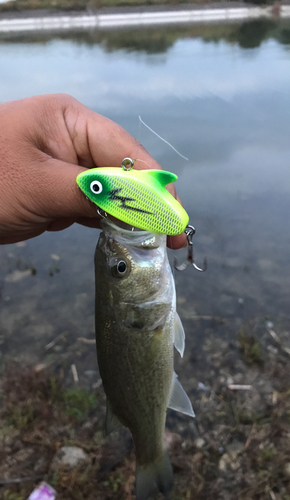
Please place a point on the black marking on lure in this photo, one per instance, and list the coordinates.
(114, 196)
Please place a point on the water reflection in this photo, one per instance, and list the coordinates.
(247, 35)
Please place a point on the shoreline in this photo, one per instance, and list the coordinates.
(112, 18)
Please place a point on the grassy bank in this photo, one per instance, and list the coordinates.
(19, 5)
(237, 448)
(66, 5)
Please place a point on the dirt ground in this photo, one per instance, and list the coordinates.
(238, 447)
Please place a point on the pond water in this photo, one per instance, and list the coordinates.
(221, 96)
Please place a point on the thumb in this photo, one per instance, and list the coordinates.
(57, 194)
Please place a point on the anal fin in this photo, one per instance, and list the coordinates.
(179, 400)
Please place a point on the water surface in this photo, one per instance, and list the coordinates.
(221, 96)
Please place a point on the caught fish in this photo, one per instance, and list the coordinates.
(136, 328)
(136, 197)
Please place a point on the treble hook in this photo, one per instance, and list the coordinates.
(189, 231)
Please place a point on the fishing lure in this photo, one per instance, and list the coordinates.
(137, 197)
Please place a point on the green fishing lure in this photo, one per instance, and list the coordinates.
(137, 197)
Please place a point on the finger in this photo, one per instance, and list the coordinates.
(55, 194)
(60, 224)
(176, 242)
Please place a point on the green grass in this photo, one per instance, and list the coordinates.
(78, 402)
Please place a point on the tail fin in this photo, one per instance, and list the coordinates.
(157, 476)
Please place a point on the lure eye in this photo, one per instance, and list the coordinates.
(119, 268)
(96, 187)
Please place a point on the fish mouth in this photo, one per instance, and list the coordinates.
(119, 227)
(124, 233)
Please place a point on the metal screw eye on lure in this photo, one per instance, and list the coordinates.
(136, 197)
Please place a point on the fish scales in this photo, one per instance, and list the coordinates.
(135, 312)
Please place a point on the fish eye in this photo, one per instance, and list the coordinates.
(96, 187)
(119, 268)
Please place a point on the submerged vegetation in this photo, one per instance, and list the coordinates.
(237, 448)
(250, 348)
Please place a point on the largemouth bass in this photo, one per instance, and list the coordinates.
(136, 329)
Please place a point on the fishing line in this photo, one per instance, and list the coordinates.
(164, 140)
(143, 161)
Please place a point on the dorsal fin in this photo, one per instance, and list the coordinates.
(162, 176)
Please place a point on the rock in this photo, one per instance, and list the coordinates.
(69, 456)
(227, 461)
(202, 387)
(40, 367)
(54, 256)
(230, 459)
(199, 443)
(18, 275)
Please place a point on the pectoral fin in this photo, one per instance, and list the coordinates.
(179, 335)
(179, 400)
(112, 423)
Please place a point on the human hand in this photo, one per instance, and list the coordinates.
(45, 142)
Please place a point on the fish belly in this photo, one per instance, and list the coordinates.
(136, 366)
